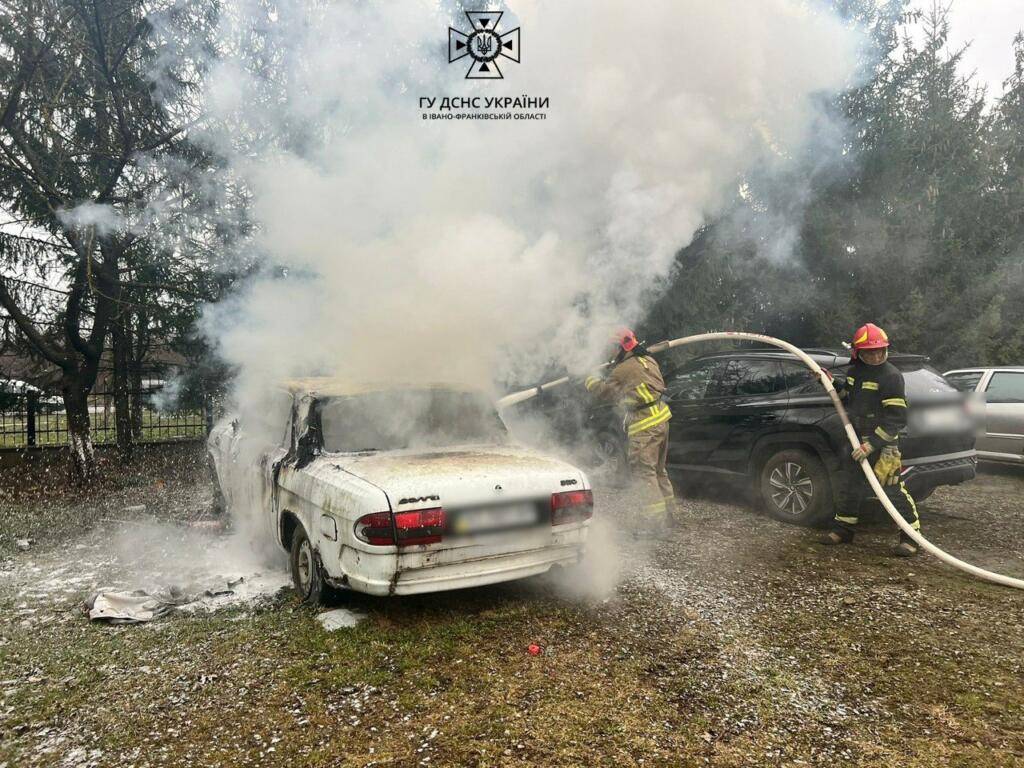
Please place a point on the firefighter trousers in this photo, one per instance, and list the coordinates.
(647, 455)
(854, 489)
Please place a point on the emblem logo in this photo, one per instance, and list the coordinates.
(483, 45)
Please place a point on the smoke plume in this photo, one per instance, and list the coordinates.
(400, 247)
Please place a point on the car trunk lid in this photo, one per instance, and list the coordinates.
(484, 490)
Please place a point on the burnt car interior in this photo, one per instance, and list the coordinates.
(405, 419)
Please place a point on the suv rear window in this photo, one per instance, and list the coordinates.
(925, 380)
(965, 381)
(800, 379)
(692, 383)
(746, 377)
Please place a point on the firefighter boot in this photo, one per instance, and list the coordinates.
(836, 536)
(905, 547)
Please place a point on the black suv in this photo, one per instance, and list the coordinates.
(762, 416)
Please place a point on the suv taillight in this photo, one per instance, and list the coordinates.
(571, 507)
(420, 526)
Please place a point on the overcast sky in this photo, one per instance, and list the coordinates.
(989, 25)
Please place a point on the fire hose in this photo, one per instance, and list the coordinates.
(826, 382)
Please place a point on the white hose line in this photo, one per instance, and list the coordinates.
(826, 382)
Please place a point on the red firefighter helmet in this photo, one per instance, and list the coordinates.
(626, 339)
(869, 336)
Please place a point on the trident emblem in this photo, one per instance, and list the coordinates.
(483, 45)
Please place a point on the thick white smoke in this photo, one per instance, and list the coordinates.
(482, 250)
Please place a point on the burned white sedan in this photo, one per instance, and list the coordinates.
(400, 490)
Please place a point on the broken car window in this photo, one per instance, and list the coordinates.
(409, 418)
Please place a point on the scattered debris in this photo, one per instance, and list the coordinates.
(24, 544)
(340, 618)
(129, 607)
(534, 650)
(134, 607)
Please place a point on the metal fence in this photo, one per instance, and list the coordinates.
(32, 418)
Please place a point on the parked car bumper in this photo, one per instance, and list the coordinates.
(948, 469)
(438, 570)
(1002, 458)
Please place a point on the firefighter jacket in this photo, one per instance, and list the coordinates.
(876, 401)
(634, 385)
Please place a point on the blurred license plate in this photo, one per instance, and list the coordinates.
(495, 518)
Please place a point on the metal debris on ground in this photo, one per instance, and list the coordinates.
(340, 618)
(139, 606)
(129, 607)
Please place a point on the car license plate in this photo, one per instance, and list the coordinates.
(495, 518)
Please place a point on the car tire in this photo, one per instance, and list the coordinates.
(794, 487)
(307, 578)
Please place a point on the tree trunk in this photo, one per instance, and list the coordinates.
(135, 382)
(76, 405)
(122, 415)
(138, 350)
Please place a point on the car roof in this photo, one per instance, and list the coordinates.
(982, 369)
(819, 355)
(331, 386)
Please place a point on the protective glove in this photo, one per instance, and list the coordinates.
(888, 466)
(591, 381)
(862, 452)
(838, 381)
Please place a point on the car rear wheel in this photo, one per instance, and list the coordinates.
(306, 576)
(795, 487)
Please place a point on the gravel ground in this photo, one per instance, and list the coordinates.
(734, 641)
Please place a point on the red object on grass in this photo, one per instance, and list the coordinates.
(533, 649)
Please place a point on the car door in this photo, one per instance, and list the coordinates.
(1004, 414)
(690, 431)
(750, 398)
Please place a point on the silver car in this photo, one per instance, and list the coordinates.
(1002, 390)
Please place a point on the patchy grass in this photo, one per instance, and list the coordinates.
(738, 642)
(39, 501)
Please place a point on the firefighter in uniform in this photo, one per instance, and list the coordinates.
(634, 383)
(873, 391)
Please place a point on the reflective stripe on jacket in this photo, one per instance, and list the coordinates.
(876, 400)
(635, 385)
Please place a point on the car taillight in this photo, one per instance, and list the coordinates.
(375, 529)
(420, 526)
(571, 507)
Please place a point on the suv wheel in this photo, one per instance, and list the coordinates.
(306, 576)
(795, 487)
